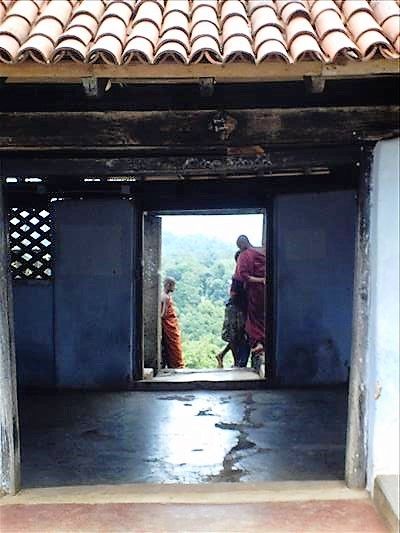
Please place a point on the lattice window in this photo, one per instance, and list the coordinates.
(31, 243)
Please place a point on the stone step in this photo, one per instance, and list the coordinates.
(386, 499)
(306, 506)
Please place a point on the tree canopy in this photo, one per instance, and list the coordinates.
(203, 270)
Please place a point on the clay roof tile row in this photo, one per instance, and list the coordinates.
(190, 31)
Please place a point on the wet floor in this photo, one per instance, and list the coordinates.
(175, 437)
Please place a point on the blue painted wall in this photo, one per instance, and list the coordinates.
(33, 314)
(93, 294)
(314, 264)
(93, 286)
(383, 361)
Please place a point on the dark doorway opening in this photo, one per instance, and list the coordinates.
(320, 454)
(197, 250)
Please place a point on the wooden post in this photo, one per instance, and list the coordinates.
(151, 292)
(9, 427)
(137, 289)
(356, 446)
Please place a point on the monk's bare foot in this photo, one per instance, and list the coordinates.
(220, 360)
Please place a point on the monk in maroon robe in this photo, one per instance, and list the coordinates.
(250, 270)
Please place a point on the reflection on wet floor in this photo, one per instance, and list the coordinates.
(207, 436)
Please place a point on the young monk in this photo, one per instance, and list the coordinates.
(250, 270)
(171, 334)
(233, 329)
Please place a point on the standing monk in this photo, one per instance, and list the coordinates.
(250, 270)
(171, 334)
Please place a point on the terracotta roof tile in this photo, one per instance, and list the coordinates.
(289, 9)
(173, 43)
(268, 32)
(205, 32)
(387, 14)
(192, 31)
(333, 36)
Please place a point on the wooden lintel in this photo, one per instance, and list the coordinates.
(180, 167)
(67, 72)
(199, 128)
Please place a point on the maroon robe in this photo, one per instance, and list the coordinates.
(251, 262)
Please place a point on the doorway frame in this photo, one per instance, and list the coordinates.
(356, 451)
(267, 233)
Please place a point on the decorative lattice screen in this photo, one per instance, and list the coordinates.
(30, 243)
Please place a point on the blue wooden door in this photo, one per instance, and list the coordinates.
(314, 261)
(94, 293)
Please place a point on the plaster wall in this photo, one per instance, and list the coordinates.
(92, 279)
(383, 342)
(34, 330)
(93, 293)
(314, 268)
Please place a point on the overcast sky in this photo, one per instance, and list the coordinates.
(223, 227)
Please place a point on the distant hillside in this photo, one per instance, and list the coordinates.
(203, 269)
(199, 246)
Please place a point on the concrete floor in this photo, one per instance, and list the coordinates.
(175, 437)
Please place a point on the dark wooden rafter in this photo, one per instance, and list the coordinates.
(36, 97)
(64, 72)
(95, 87)
(188, 144)
(188, 194)
(199, 128)
(271, 161)
(314, 84)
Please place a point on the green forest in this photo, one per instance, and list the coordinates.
(203, 268)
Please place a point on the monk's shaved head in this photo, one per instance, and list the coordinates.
(243, 242)
(169, 284)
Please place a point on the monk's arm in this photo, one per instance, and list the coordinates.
(254, 279)
(164, 300)
(244, 270)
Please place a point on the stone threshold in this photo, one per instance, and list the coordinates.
(216, 493)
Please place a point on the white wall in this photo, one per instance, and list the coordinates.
(383, 356)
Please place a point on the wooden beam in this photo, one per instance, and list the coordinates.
(356, 446)
(303, 159)
(204, 194)
(151, 291)
(137, 345)
(200, 128)
(69, 71)
(95, 87)
(9, 428)
(314, 85)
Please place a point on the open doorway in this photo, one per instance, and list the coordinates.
(196, 270)
(282, 434)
